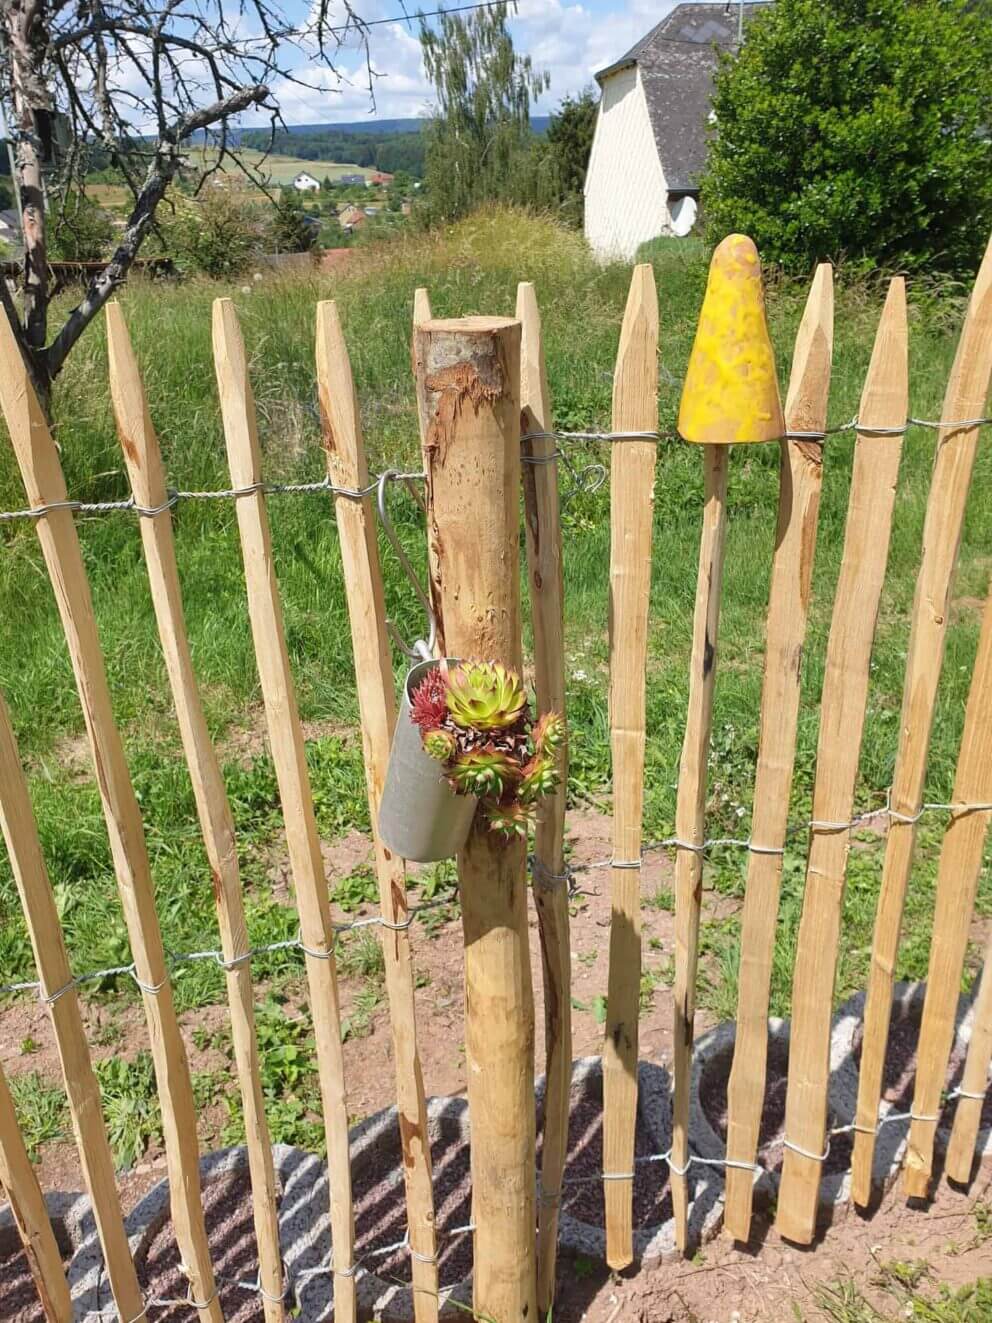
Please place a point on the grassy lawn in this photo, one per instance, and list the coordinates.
(473, 268)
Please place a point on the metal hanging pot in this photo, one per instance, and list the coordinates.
(420, 816)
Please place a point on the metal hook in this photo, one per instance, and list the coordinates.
(421, 651)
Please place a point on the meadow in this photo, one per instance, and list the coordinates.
(473, 267)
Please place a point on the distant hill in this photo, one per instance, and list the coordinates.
(371, 125)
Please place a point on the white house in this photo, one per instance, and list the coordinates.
(649, 147)
(305, 183)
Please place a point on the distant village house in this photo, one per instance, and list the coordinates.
(305, 183)
(352, 181)
(350, 217)
(649, 147)
(380, 177)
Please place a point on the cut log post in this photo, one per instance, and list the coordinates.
(632, 471)
(27, 1203)
(144, 466)
(289, 757)
(967, 390)
(974, 1083)
(468, 390)
(958, 872)
(730, 394)
(38, 460)
(842, 716)
(62, 1000)
(800, 484)
(544, 567)
(347, 467)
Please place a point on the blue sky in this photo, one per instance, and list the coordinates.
(569, 40)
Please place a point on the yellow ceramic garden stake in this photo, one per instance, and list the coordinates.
(730, 394)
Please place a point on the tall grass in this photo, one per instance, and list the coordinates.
(471, 268)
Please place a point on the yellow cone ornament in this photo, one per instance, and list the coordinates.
(731, 389)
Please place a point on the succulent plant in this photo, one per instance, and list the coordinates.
(484, 772)
(429, 702)
(510, 819)
(539, 778)
(440, 745)
(485, 696)
(549, 734)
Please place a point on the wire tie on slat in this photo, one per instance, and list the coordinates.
(421, 1258)
(397, 927)
(317, 955)
(234, 963)
(823, 824)
(967, 1093)
(545, 878)
(350, 1271)
(675, 1168)
(152, 989)
(625, 863)
(51, 998)
(956, 426)
(689, 845)
(922, 1116)
(765, 849)
(805, 1153)
(804, 436)
(618, 1175)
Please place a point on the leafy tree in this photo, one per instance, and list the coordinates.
(216, 234)
(481, 130)
(568, 144)
(858, 129)
(291, 229)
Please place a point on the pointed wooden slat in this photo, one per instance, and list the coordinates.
(144, 466)
(967, 390)
(690, 813)
(82, 1090)
(957, 884)
(27, 1203)
(544, 568)
(468, 392)
(800, 484)
(974, 1082)
(421, 306)
(632, 465)
(842, 716)
(344, 446)
(289, 757)
(41, 471)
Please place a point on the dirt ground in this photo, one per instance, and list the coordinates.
(768, 1279)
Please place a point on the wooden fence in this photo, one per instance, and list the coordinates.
(487, 431)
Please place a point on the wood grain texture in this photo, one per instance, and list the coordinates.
(544, 568)
(27, 1204)
(690, 813)
(44, 483)
(842, 714)
(344, 447)
(800, 485)
(468, 389)
(41, 916)
(967, 390)
(958, 872)
(143, 459)
(974, 1081)
(289, 757)
(632, 473)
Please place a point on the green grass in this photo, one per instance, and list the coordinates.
(471, 268)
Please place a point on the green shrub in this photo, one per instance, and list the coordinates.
(857, 129)
(291, 230)
(81, 231)
(215, 234)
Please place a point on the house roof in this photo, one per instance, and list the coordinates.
(677, 60)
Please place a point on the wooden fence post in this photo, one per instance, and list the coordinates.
(344, 447)
(975, 1081)
(144, 466)
(27, 1203)
(957, 882)
(289, 757)
(62, 1000)
(842, 715)
(730, 394)
(632, 466)
(800, 484)
(967, 389)
(544, 567)
(468, 389)
(41, 471)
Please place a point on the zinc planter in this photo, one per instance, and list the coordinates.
(420, 818)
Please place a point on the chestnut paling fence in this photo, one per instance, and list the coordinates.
(487, 430)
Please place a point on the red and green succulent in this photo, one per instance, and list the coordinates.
(475, 721)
